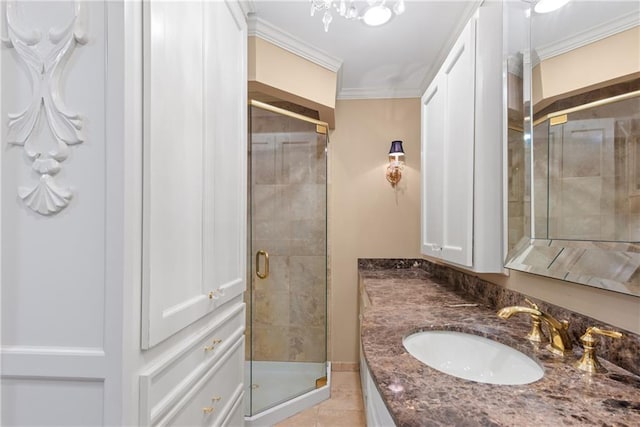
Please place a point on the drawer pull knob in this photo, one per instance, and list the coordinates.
(216, 293)
(213, 345)
(208, 409)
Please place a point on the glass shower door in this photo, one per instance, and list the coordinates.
(288, 294)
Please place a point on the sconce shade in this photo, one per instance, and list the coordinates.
(396, 149)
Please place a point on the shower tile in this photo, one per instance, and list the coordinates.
(279, 276)
(308, 310)
(273, 246)
(270, 343)
(581, 195)
(263, 160)
(582, 153)
(307, 273)
(516, 209)
(307, 344)
(298, 156)
(634, 228)
(308, 247)
(613, 227)
(580, 227)
(305, 201)
(271, 308)
(309, 237)
(541, 231)
(634, 205)
(270, 228)
(540, 150)
(609, 196)
(264, 201)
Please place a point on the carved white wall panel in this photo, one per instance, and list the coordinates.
(45, 57)
(61, 304)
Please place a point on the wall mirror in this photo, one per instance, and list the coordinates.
(573, 142)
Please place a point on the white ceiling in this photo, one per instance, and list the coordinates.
(397, 59)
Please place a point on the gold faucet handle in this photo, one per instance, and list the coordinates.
(605, 332)
(589, 362)
(536, 334)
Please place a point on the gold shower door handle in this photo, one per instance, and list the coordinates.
(266, 264)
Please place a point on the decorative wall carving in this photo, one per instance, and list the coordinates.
(45, 59)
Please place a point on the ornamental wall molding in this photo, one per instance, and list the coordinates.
(45, 58)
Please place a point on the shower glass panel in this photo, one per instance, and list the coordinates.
(287, 299)
(586, 183)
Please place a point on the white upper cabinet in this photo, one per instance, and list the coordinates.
(461, 150)
(194, 163)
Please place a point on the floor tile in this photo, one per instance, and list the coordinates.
(344, 408)
(340, 418)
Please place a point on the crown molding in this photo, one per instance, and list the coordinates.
(586, 37)
(269, 32)
(378, 93)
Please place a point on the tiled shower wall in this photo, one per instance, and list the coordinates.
(288, 211)
(593, 186)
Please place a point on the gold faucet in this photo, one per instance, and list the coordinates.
(589, 362)
(560, 343)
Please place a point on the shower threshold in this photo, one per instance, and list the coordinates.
(273, 382)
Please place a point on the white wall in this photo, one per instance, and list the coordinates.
(61, 281)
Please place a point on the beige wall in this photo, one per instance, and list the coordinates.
(622, 311)
(281, 74)
(589, 67)
(368, 218)
(363, 204)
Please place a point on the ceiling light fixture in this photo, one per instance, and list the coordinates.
(546, 6)
(375, 13)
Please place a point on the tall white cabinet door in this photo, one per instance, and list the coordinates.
(457, 201)
(194, 175)
(432, 159)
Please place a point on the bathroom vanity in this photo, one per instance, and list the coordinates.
(400, 297)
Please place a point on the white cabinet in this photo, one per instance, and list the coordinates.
(123, 226)
(447, 155)
(194, 152)
(376, 411)
(461, 150)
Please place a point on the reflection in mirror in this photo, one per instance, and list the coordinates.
(573, 147)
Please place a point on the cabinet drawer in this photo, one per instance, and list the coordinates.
(214, 397)
(235, 418)
(165, 383)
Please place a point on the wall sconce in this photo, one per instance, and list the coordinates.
(394, 170)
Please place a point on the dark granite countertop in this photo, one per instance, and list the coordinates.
(403, 301)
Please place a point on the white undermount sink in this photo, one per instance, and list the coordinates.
(472, 357)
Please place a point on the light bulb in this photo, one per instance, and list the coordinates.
(546, 6)
(376, 15)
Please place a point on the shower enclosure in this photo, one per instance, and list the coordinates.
(287, 297)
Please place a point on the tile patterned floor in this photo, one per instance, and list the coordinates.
(343, 409)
